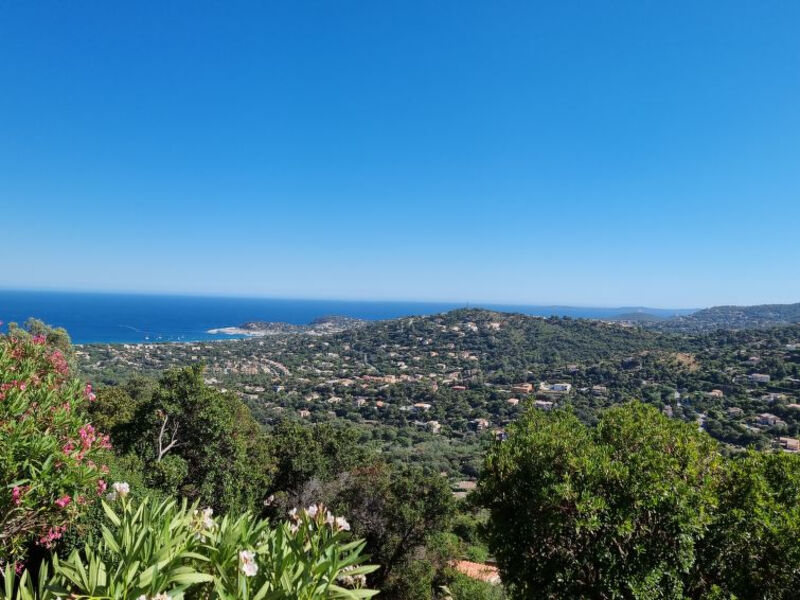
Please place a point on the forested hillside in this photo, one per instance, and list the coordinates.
(434, 390)
(734, 317)
(167, 487)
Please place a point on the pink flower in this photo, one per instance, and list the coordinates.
(20, 385)
(87, 391)
(63, 501)
(87, 436)
(19, 567)
(53, 534)
(101, 487)
(16, 495)
(58, 362)
(39, 340)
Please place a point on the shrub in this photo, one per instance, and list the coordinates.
(752, 549)
(307, 558)
(462, 587)
(50, 455)
(166, 550)
(612, 511)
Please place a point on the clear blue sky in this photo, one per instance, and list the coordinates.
(590, 153)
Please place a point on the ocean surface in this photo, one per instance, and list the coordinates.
(133, 318)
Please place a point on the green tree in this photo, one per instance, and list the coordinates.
(305, 454)
(198, 442)
(613, 511)
(115, 412)
(396, 510)
(753, 548)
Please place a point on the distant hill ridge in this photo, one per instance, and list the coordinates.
(735, 317)
(707, 319)
(503, 340)
(637, 317)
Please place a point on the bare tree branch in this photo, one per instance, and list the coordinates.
(173, 441)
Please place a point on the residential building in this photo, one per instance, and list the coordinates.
(789, 444)
(770, 420)
(555, 388)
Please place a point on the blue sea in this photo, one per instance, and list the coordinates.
(133, 318)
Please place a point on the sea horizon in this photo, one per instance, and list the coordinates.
(118, 317)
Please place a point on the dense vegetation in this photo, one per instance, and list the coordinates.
(315, 466)
(640, 506)
(735, 317)
(433, 390)
(83, 519)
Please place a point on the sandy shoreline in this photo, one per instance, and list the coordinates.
(235, 331)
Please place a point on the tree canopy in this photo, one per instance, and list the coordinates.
(640, 506)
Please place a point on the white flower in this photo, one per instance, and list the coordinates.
(293, 513)
(203, 522)
(247, 563)
(352, 581)
(342, 524)
(270, 499)
(142, 597)
(162, 596)
(312, 510)
(204, 518)
(121, 488)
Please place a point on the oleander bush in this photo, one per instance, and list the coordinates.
(51, 457)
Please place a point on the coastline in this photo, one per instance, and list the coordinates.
(235, 331)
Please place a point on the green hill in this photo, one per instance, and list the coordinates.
(736, 317)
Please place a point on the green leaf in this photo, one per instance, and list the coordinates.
(112, 516)
(190, 578)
